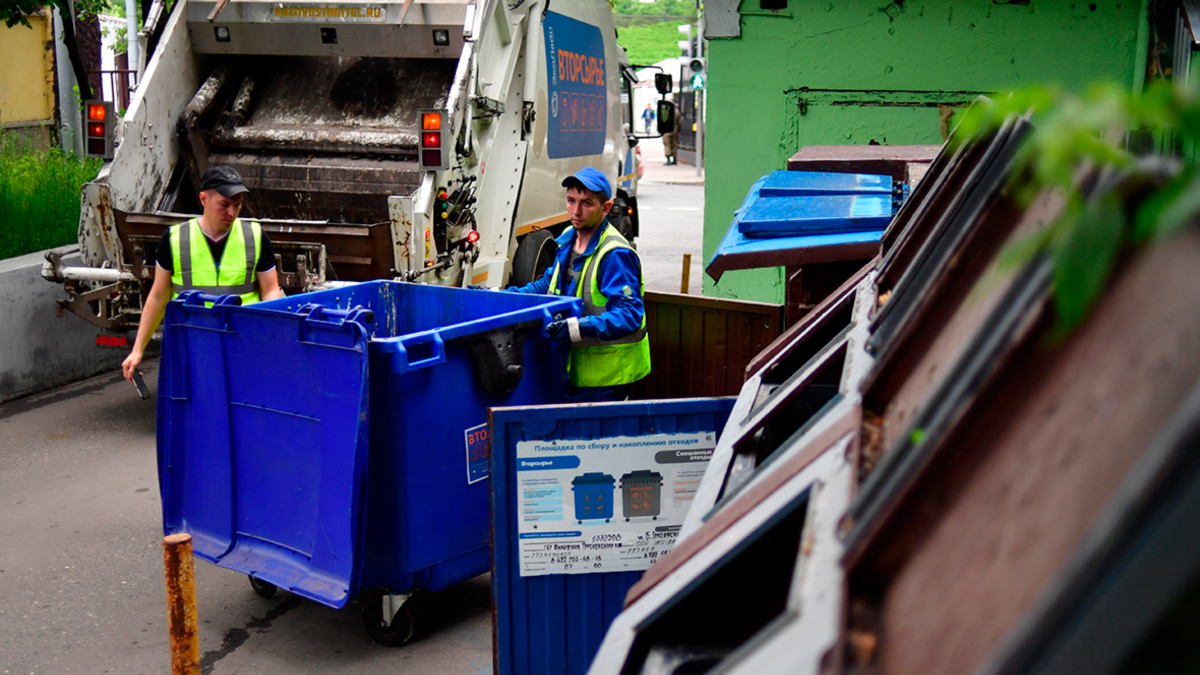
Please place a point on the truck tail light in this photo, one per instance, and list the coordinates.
(434, 153)
(98, 129)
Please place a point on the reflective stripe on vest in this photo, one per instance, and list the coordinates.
(605, 363)
(195, 269)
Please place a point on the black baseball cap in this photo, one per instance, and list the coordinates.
(223, 179)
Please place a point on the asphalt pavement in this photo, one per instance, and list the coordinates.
(671, 212)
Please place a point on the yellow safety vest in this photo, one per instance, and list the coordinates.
(604, 363)
(195, 269)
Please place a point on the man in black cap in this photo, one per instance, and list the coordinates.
(217, 253)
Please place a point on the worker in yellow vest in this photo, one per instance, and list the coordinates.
(217, 253)
(609, 345)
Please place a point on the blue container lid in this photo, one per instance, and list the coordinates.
(817, 183)
(589, 479)
(786, 216)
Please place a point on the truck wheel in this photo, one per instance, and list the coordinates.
(398, 633)
(623, 220)
(535, 255)
(263, 589)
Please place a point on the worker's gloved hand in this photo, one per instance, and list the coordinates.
(558, 330)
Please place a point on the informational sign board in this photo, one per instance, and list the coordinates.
(578, 87)
(605, 505)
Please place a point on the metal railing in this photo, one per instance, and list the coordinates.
(115, 85)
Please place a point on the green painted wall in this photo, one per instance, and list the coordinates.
(891, 65)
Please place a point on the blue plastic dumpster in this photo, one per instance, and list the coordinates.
(593, 496)
(330, 442)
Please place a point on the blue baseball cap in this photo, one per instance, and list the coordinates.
(590, 179)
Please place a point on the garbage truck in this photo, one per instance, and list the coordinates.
(419, 140)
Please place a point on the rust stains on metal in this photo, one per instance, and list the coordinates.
(181, 604)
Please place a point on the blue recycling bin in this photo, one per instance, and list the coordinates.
(593, 496)
(336, 441)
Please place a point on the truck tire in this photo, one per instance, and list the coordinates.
(535, 255)
(625, 221)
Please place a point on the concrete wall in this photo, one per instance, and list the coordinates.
(27, 75)
(38, 350)
(858, 71)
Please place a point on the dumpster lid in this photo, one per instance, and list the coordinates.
(593, 479)
(813, 183)
(264, 441)
(826, 214)
(740, 252)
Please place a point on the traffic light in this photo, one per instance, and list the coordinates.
(685, 46)
(434, 151)
(697, 73)
(98, 125)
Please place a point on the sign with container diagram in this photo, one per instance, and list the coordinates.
(577, 87)
(605, 505)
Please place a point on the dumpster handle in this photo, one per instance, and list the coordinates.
(431, 355)
(193, 298)
(316, 312)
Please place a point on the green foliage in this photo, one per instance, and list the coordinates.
(650, 44)
(39, 197)
(680, 8)
(1078, 134)
(15, 11)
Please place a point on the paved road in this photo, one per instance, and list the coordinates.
(672, 223)
(81, 581)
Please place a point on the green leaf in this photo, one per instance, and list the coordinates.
(1146, 222)
(1083, 261)
(1180, 208)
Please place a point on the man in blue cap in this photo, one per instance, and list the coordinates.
(609, 345)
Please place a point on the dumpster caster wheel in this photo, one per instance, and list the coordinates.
(263, 589)
(398, 633)
(627, 520)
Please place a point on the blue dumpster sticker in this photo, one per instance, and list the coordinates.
(477, 453)
(578, 87)
(607, 504)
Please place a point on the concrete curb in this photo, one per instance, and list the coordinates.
(672, 182)
(39, 350)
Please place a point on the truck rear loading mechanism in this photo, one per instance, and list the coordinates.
(422, 140)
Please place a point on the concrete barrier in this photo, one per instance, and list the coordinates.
(39, 350)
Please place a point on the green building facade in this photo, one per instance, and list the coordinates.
(857, 72)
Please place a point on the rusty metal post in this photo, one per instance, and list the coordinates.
(687, 273)
(181, 605)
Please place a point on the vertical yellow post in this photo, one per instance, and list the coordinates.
(687, 273)
(181, 605)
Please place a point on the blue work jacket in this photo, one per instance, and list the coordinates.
(619, 270)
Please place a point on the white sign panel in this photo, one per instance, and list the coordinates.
(605, 505)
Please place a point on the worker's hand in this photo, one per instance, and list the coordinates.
(130, 364)
(558, 330)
